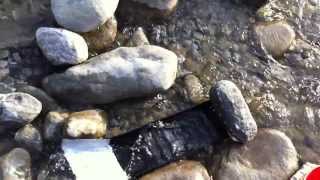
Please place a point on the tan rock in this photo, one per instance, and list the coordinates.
(182, 170)
(271, 155)
(276, 37)
(89, 123)
(102, 38)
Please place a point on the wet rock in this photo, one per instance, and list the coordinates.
(165, 6)
(194, 89)
(16, 165)
(18, 109)
(30, 138)
(57, 168)
(48, 103)
(138, 38)
(103, 37)
(188, 170)
(87, 124)
(62, 47)
(189, 135)
(271, 155)
(270, 111)
(53, 125)
(83, 15)
(119, 74)
(302, 173)
(276, 38)
(233, 111)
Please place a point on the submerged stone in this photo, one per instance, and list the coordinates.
(271, 155)
(275, 37)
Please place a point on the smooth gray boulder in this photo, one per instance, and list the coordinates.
(233, 111)
(83, 15)
(116, 75)
(62, 47)
(18, 108)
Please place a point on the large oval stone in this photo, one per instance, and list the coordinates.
(233, 111)
(271, 155)
(83, 15)
(116, 75)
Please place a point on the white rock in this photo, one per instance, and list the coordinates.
(19, 108)
(92, 159)
(62, 46)
(83, 15)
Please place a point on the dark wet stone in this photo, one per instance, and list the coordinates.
(30, 138)
(140, 11)
(57, 168)
(188, 135)
(53, 125)
(188, 170)
(233, 111)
